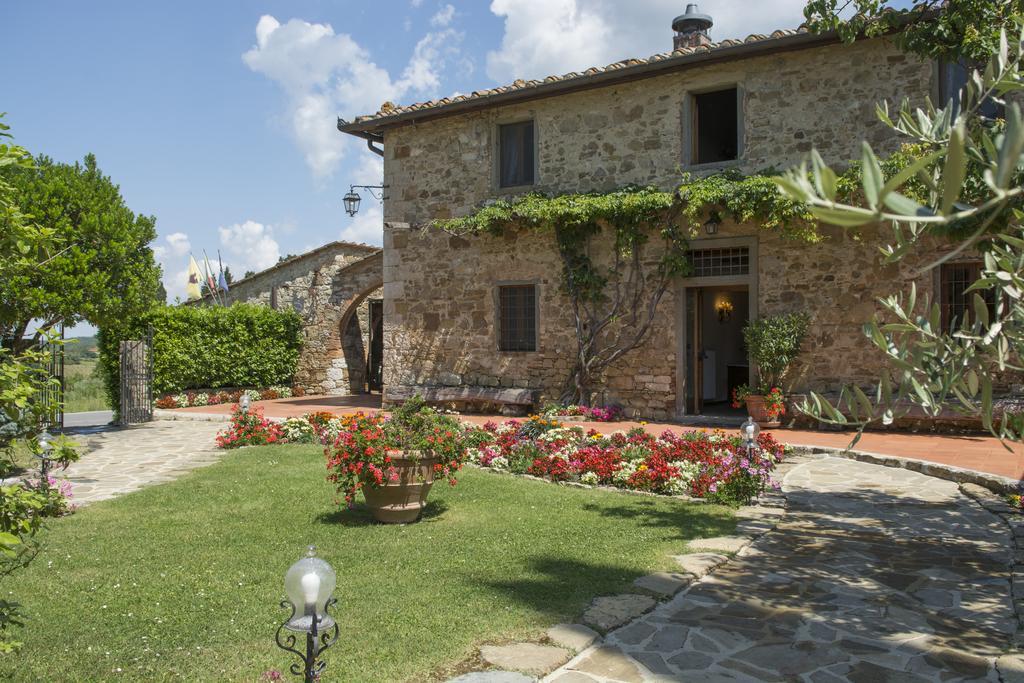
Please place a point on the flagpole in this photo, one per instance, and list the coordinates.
(213, 289)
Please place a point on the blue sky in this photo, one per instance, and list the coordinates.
(217, 117)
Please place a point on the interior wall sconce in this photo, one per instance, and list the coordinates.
(724, 309)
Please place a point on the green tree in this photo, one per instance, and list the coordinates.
(965, 188)
(25, 247)
(104, 269)
(952, 30)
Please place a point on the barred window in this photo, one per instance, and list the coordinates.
(955, 301)
(517, 318)
(718, 262)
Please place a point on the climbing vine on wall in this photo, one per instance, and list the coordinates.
(614, 305)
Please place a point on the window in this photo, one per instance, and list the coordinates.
(517, 318)
(955, 302)
(515, 154)
(719, 262)
(715, 127)
(952, 79)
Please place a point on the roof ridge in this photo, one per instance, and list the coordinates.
(390, 109)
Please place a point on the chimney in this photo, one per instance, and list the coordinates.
(691, 28)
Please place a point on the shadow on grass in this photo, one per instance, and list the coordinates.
(561, 588)
(687, 521)
(360, 515)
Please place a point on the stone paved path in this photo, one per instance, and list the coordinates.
(875, 574)
(116, 461)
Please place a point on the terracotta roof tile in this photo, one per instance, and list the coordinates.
(389, 110)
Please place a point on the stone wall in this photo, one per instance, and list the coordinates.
(329, 288)
(440, 325)
(439, 290)
(634, 133)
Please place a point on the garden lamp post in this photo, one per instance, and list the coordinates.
(309, 584)
(45, 448)
(748, 432)
(243, 403)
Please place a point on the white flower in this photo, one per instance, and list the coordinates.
(500, 463)
(590, 479)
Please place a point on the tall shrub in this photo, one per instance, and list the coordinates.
(774, 343)
(196, 347)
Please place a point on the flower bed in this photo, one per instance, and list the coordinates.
(591, 413)
(712, 466)
(192, 399)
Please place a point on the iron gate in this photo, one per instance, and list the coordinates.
(51, 396)
(136, 380)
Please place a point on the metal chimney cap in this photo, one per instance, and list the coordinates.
(693, 20)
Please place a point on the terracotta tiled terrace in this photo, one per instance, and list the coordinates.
(975, 452)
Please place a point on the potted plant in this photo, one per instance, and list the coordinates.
(773, 343)
(394, 461)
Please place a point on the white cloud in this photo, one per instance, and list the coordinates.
(249, 246)
(172, 256)
(443, 17)
(544, 37)
(326, 74)
(416, 3)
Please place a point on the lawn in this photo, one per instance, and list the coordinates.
(182, 581)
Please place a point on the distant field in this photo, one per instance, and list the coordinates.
(83, 388)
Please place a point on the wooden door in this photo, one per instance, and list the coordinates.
(697, 349)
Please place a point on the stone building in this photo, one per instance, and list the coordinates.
(749, 104)
(337, 289)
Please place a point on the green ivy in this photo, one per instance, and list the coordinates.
(198, 347)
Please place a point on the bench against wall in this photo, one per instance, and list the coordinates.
(512, 402)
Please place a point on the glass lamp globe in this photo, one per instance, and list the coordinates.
(243, 403)
(309, 584)
(44, 446)
(749, 431)
(351, 201)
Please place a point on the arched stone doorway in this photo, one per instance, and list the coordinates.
(334, 358)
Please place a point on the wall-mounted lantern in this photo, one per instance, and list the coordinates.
(351, 199)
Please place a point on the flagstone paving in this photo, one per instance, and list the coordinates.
(116, 461)
(874, 574)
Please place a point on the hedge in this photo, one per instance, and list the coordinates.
(199, 347)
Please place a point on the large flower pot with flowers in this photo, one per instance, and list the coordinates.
(401, 498)
(764, 409)
(773, 343)
(394, 461)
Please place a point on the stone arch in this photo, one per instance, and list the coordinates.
(336, 360)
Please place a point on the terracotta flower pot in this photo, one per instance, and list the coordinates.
(402, 501)
(757, 408)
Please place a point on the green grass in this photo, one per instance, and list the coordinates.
(183, 581)
(83, 388)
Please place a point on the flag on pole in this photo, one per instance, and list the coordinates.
(222, 282)
(194, 278)
(210, 282)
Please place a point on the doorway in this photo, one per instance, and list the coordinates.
(375, 359)
(716, 356)
(713, 305)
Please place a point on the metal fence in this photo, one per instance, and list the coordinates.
(51, 397)
(136, 380)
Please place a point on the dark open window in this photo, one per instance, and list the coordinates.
(955, 301)
(715, 126)
(517, 318)
(515, 154)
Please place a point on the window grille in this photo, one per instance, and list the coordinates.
(720, 261)
(517, 316)
(955, 301)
